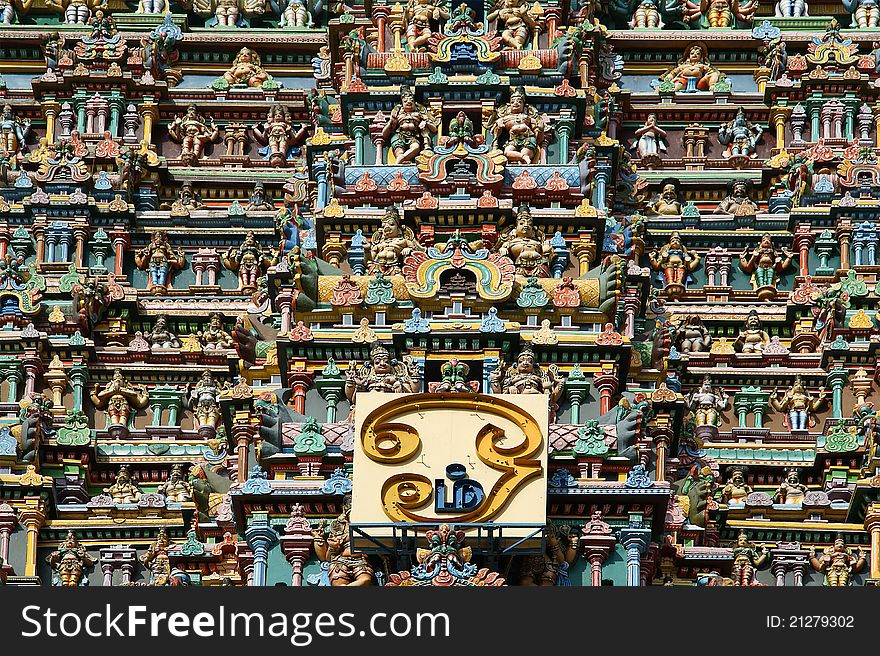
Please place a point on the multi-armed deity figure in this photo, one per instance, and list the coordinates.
(799, 406)
(248, 261)
(765, 263)
(246, 70)
(215, 337)
(526, 245)
(381, 374)
(736, 490)
(13, 132)
(674, 261)
(120, 399)
(193, 132)
(278, 134)
(160, 261)
(519, 128)
(204, 401)
(391, 244)
(838, 564)
(691, 336)
(746, 560)
(707, 404)
(124, 489)
(791, 491)
(650, 138)
(76, 12)
(515, 23)
(420, 17)
(68, 562)
(865, 13)
(410, 128)
(740, 135)
(752, 338)
(728, 13)
(526, 376)
(693, 72)
(296, 14)
(332, 544)
(159, 337)
(176, 488)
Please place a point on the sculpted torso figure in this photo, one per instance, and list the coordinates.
(799, 406)
(765, 263)
(838, 564)
(691, 336)
(674, 260)
(693, 72)
(667, 203)
(514, 21)
(69, 561)
(752, 338)
(740, 136)
(332, 545)
(736, 489)
(519, 128)
(120, 399)
(545, 569)
(204, 400)
(214, 336)
(527, 377)
(381, 374)
(410, 128)
(746, 559)
(737, 203)
(192, 132)
(791, 490)
(391, 244)
(246, 69)
(159, 260)
(526, 246)
(248, 261)
(123, 490)
(419, 15)
(160, 336)
(176, 489)
(13, 132)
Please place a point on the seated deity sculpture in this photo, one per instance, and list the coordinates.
(666, 203)
(160, 337)
(738, 201)
(752, 338)
(391, 244)
(176, 488)
(410, 128)
(246, 70)
(381, 374)
(215, 337)
(693, 72)
(123, 490)
(736, 490)
(526, 376)
(691, 336)
(518, 129)
(526, 245)
(791, 490)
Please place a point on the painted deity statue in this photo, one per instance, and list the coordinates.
(736, 490)
(746, 560)
(838, 564)
(204, 401)
(791, 9)
(246, 69)
(707, 404)
(151, 7)
(259, 200)
(420, 15)
(515, 23)
(551, 567)
(193, 132)
(738, 201)
(157, 561)
(650, 138)
(865, 13)
(248, 261)
(120, 399)
(791, 490)
(68, 562)
(160, 261)
(13, 132)
(454, 377)
(332, 545)
(461, 130)
(391, 244)
(296, 14)
(76, 12)
(187, 200)
(646, 14)
(798, 405)
(752, 338)
(381, 374)
(519, 128)
(666, 203)
(277, 134)
(691, 336)
(124, 489)
(526, 376)
(674, 261)
(693, 72)
(765, 263)
(176, 488)
(160, 337)
(410, 128)
(215, 337)
(728, 13)
(740, 135)
(526, 245)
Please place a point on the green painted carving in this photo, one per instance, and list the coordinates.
(310, 442)
(852, 285)
(532, 295)
(68, 280)
(76, 430)
(841, 440)
(590, 440)
(380, 291)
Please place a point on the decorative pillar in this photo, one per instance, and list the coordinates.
(584, 249)
(331, 386)
(32, 367)
(299, 380)
(576, 386)
(296, 543)
(78, 375)
(32, 517)
(121, 241)
(595, 543)
(284, 304)
(661, 433)
(635, 540)
(605, 381)
(872, 525)
(836, 379)
(260, 537)
(844, 235)
(8, 523)
(243, 431)
(803, 240)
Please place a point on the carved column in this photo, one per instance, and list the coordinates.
(300, 381)
(606, 382)
(121, 241)
(32, 517)
(595, 544)
(836, 379)
(584, 250)
(243, 431)
(33, 366)
(661, 433)
(78, 375)
(284, 303)
(803, 240)
(635, 540)
(260, 537)
(872, 525)
(8, 522)
(844, 236)
(296, 543)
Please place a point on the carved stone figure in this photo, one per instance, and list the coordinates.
(740, 135)
(746, 560)
(453, 378)
(518, 129)
(666, 203)
(738, 201)
(160, 337)
(124, 489)
(160, 261)
(420, 15)
(381, 374)
(248, 261)
(193, 132)
(76, 12)
(204, 401)
(332, 545)
(120, 399)
(791, 490)
(526, 376)
(736, 490)
(674, 261)
(461, 130)
(391, 244)
(515, 23)
(69, 561)
(728, 13)
(651, 138)
(296, 14)
(176, 488)
(551, 567)
(646, 14)
(526, 245)
(765, 263)
(278, 134)
(838, 564)
(693, 72)
(13, 132)
(752, 338)
(215, 336)
(707, 404)
(246, 69)
(691, 336)
(187, 200)
(798, 405)
(259, 200)
(865, 13)
(410, 128)
(156, 559)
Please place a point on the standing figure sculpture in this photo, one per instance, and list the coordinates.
(160, 261)
(526, 245)
(248, 261)
(515, 23)
(526, 376)
(799, 406)
(68, 562)
(204, 401)
(410, 128)
(865, 13)
(674, 261)
(420, 15)
(746, 560)
(76, 12)
(332, 544)
(752, 338)
(838, 564)
(193, 132)
(765, 263)
(381, 373)
(651, 138)
(296, 14)
(120, 399)
(646, 15)
(728, 13)
(551, 567)
(13, 132)
(391, 244)
(707, 404)
(792, 9)
(278, 135)
(523, 126)
(740, 136)
(693, 72)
